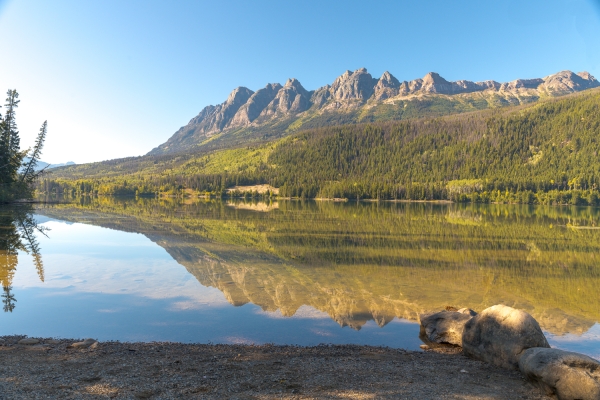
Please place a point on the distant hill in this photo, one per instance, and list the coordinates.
(68, 163)
(41, 164)
(354, 97)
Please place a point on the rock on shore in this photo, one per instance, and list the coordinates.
(500, 334)
(444, 327)
(512, 339)
(570, 376)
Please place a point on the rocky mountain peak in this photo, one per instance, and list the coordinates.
(586, 75)
(320, 96)
(433, 78)
(254, 106)
(565, 82)
(521, 84)
(277, 105)
(292, 98)
(389, 80)
(343, 77)
(273, 86)
(293, 82)
(357, 85)
(239, 95)
(387, 86)
(434, 83)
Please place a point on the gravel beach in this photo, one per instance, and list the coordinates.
(53, 369)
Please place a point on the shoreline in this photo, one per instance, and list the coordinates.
(165, 370)
(316, 199)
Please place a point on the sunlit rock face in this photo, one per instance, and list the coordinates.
(357, 85)
(211, 120)
(566, 82)
(215, 119)
(387, 86)
(290, 99)
(254, 106)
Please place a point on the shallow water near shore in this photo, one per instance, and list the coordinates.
(292, 272)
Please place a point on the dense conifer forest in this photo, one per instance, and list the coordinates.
(546, 153)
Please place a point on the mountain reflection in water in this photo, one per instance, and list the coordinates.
(373, 261)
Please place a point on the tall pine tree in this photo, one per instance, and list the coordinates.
(16, 176)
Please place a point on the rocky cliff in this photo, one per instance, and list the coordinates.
(357, 97)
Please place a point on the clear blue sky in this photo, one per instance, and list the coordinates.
(116, 78)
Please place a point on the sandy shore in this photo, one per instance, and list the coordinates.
(50, 369)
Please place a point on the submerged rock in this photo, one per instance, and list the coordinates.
(568, 375)
(500, 334)
(444, 327)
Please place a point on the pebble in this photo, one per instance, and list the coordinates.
(424, 347)
(52, 341)
(144, 394)
(463, 371)
(28, 341)
(83, 345)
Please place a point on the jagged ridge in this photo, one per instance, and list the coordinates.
(349, 92)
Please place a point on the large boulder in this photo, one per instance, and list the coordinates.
(567, 375)
(444, 327)
(500, 334)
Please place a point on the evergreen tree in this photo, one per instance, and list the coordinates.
(10, 139)
(29, 172)
(16, 177)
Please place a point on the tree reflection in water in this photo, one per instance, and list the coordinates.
(18, 231)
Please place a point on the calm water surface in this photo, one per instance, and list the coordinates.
(293, 272)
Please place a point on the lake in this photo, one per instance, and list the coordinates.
(292, 272)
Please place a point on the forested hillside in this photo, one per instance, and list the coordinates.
(544, 153)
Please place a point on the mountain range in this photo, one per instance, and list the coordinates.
(44, 165)
(355, 97)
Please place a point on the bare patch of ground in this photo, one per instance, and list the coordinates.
(173, 371)
(255, 188)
